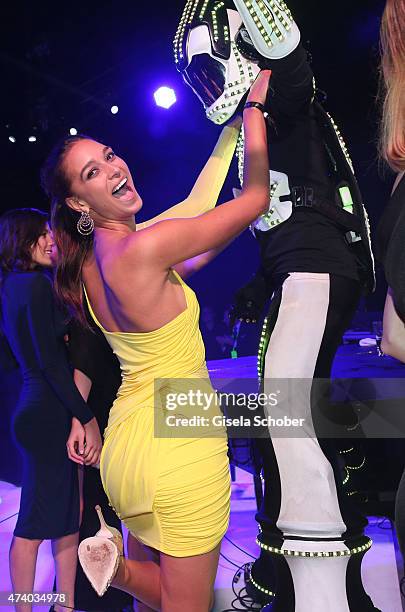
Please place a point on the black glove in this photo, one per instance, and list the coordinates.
(250, 300)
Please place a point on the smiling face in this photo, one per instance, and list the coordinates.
(100, 183)
(42, 250)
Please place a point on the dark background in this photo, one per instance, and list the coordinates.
(63, 64)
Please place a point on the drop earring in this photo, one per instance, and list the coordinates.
(85, 225)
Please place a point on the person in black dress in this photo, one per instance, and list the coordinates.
(97, 375)
(34, 327)
(391, 229)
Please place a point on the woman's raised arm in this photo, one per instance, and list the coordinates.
(170, 242)
(206, 190)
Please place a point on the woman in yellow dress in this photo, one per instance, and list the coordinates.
(171, 489)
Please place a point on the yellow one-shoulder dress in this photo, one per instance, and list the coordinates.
(171, 492)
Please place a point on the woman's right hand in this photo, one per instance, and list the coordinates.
(93, 443)
(258, 91)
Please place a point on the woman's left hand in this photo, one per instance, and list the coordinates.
(76, 442)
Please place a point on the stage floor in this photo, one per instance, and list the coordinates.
(380, 570)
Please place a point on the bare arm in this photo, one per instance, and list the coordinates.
(393, 340)
(205, 192)
(191, 266)
(75, 443)
(83, 383)
(173, 241)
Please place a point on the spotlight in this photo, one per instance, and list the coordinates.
(114, 110)
(32, 139)
(165, 97)
(73, 131)
(12, 138)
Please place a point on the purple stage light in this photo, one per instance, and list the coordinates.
(165, 97)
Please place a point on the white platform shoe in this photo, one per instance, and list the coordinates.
(100, 555)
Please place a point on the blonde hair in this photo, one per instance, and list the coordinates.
(392, 40)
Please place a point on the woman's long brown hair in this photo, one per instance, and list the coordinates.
(20, 229)
(73, 248)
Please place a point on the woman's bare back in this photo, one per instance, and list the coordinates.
(127, 292)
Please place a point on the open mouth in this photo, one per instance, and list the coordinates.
(122, 190)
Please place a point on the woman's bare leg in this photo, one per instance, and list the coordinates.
(141, 579)
(180, 583)
(187, 583)
(139, 552)
(64, 552)
(81, 497)
(23, 560)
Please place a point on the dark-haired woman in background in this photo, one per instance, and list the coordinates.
(34, 327)
(391, 231)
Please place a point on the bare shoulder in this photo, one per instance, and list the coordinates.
(142, 247)
(130, 250)
(132, 261)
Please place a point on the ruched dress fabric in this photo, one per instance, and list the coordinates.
(172, 493)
